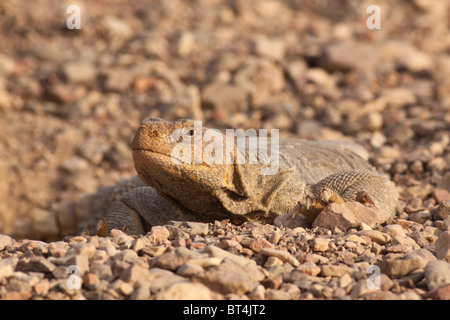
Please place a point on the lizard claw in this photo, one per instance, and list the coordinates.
(102, 227)
(126, 229)
(365, 199)
(312, 202)
(331, 196)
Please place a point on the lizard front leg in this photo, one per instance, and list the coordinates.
(138, 210)
(367, 187)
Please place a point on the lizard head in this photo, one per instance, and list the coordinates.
(196, 169)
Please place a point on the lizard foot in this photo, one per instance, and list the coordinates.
(366, 187)
(365, 199)
(311, 209)
(331, 196)
(102, 227)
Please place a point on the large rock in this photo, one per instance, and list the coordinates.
(437, 274)
(348, 215)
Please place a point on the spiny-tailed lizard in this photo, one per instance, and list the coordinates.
(310, 173)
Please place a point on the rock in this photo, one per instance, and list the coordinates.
(394, 230)
(443, 246)
(259, 243)
(216, 252)
(320, 244)
(158, 234)
(118, 80)
(376, 236)
(42, 287)
(83, 248)
(79, 260)
(348, 215)
(134, 273)
(35, 264)
(273, 261)
(80, 72)
(272, 48)
(140, 293)
(186, 291)
(349, 55)
(309, 268)
(7, 266)
(420, 216)
(402, 267)
(185, 44)
(117, 27)
(416, 61)
(442, 293)
(328, 270)
(290, 221)
(190, 269)
(122, 287)
(442, 195)
(280, 254)
(423, 253)
(398, 97)
(231, 277)
(437, 274)
(197, 228)
(443, 210)
(90, 280)
(5, 241)
(174, 259)
(224, 97)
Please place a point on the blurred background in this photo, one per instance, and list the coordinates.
(71, 99)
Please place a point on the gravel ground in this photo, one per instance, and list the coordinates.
(71, 100)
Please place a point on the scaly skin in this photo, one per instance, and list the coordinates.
(239, 192)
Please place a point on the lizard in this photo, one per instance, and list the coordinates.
(310, 173)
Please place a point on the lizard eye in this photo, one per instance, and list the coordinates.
(191, 132)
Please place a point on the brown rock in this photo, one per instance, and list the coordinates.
(231, 277)
(328, 270)
(281, 254)
(443, 246)
(443, 210)
(442, 293)
(376, 236)
(437, 274)
(225, 97)
(441, 195)
(5, 241)
(259, 243)
(35, 264)
(402, 267)
(350, 55)
(348, 215)
(158, 234)
(174, 259)
(186, 291)
(320, 244)
(309, 268)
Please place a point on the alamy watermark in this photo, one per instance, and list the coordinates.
(372, 22)
(74, 280)
(373, 282)
(193, 146)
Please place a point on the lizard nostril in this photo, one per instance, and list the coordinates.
(153, 133)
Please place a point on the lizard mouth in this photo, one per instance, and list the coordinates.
(152, 154)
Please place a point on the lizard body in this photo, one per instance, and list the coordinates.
(173, 190)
